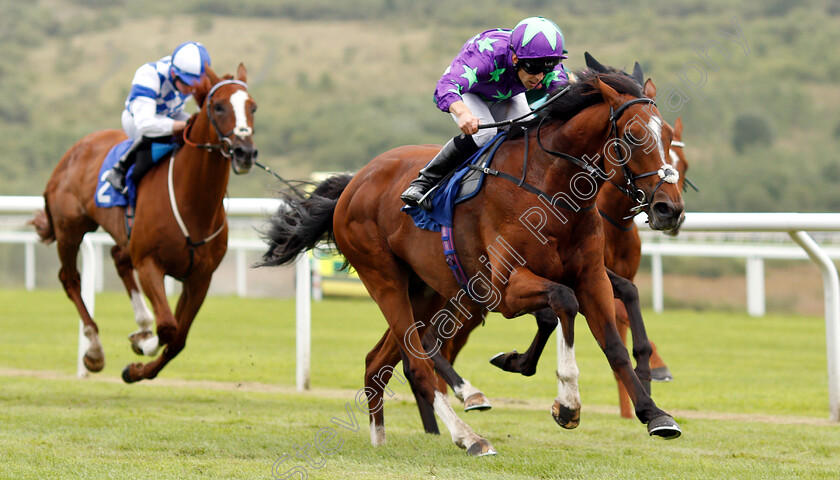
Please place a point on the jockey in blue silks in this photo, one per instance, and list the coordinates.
(155, 104)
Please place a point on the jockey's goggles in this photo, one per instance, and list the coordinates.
(536, 66)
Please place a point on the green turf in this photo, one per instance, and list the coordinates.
(750, 395)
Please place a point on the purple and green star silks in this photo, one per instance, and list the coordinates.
(484, 67)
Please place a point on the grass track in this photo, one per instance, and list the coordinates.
(750, 395)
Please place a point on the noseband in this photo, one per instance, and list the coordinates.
(225, 143)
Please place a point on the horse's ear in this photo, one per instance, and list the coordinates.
(610, 95)
(594, 64)
(638, 74)
(200, 91)
(214, 79)
(242, 73)
(678, 129)
(650, 89)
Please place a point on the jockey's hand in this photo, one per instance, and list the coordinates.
(468, 123)
(178, 127)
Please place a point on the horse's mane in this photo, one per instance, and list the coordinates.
(582, 94)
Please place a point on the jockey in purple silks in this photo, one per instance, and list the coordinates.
(486, 83)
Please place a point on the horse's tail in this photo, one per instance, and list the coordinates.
(43, 225)
(303, 220)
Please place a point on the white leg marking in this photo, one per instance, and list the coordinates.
(462, 434)
(150, 346)
(142, 315)
(567, 375)
(377, 434)
(238, 100)
(465, 391)
(94, 350)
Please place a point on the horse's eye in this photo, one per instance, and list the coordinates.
(253, 108)
(218, 109)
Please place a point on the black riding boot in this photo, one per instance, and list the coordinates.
(452, 155)
(116, 175)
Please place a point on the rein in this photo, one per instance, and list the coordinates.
(225, 143)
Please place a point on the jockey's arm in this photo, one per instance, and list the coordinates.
(148, 122)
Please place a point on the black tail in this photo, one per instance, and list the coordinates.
(302, 220)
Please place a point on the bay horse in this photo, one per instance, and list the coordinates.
(180, 226)
(538, 257)
(622, 255)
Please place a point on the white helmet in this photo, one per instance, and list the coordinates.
(188, 62)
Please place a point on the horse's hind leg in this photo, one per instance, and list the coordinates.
(143, 341)
(464, 391)
(68, 241)
(379, 367)
(387, 283)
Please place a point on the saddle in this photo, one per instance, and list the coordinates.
(461, 185)
(147, 153)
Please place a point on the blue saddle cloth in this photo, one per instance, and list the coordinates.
(106, 196)
(452, 192)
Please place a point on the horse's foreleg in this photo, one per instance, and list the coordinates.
(596, 305)
(151, 276)
(625, 408)
(627, 292)
(94, 358)
(526, 362)
(143, 341)
(566, 408)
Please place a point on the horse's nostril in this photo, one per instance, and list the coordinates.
(663, 209)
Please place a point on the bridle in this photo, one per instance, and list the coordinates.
(225, 144)
(666, 174)
(224, 147)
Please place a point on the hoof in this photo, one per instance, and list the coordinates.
(664, 426)
(501, 360)
(477, 401)
(481, 448)
(509, 362)
(564, 416)
(137, 338)
(126, 373)
(93, 365)
(661, 374)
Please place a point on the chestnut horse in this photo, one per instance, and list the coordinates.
(180, 226)
(556, 261)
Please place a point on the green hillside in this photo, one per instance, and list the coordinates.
(338, 82)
